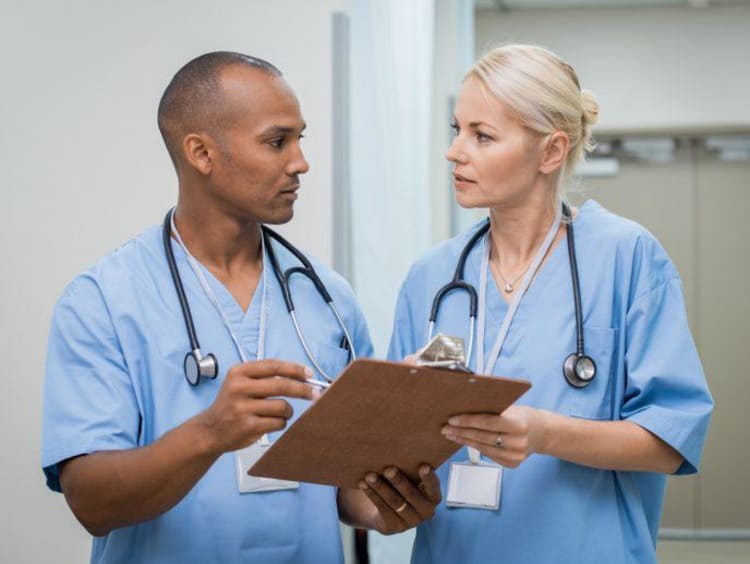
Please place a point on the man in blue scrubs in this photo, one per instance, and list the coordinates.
(146, 461)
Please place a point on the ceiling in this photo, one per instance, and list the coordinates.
(537, 4)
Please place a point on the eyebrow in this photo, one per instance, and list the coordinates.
(282, 130)
(476, 124)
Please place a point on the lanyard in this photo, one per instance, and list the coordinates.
(487, 367)
(195, 267)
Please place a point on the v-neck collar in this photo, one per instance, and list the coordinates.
(245, 322)
(544, 276)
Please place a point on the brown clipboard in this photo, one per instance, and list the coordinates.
(378, 414)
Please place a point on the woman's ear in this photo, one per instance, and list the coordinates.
(555, 152)
(197, 152)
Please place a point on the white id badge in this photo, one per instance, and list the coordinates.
(474, 485)
(244, 459)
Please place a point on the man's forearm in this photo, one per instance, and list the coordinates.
(111, 489)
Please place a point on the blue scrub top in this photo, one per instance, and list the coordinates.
(636, 330)
(115, 381)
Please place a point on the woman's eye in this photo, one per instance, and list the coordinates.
(483, 137)
(455, 128)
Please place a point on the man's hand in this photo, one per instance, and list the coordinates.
(400, 504)
(111, 489)
(249, 403)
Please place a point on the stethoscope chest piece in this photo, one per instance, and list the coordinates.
(198, 366)
(579, 370)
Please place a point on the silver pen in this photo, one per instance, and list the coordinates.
(318, 383)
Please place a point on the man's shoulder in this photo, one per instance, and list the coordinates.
(125, 266)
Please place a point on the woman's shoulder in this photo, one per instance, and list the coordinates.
(596, 221)
(443, 257)
(636, 249)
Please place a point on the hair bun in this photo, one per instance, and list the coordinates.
(590, 107)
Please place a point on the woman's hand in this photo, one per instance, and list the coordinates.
(508, 439)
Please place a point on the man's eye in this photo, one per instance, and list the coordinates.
(278, 142)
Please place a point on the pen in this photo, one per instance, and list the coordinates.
(318, 383)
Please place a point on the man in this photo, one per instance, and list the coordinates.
(155, 468)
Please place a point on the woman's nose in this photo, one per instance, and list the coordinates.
(454, 153)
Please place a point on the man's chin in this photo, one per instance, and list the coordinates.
(279, 217)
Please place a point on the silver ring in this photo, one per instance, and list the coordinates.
(400, 509)
(499, 441)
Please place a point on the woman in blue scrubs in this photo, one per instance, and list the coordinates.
(580, 466)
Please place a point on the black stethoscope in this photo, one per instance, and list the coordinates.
(579, 369)
(196, 364)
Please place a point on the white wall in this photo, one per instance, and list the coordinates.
(84, 169)
(669, 68)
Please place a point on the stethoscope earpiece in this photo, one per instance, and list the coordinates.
(579, 370)
(198, 366)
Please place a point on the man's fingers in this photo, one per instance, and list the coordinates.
(271, 408)
(274, 367)
(392, 522)
(278, 387)
(430, 484)
(397, 502)
(410, 493)
(263, 425)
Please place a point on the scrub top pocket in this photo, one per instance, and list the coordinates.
(332, 358)
(595, 400)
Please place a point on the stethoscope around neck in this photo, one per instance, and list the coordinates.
(198, 365)
(579, 369)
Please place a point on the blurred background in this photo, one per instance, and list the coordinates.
(85, 170)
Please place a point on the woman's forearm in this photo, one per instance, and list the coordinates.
(610, 445)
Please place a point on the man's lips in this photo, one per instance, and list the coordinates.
(290, 192)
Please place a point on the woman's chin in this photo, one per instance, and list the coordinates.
(468, 202)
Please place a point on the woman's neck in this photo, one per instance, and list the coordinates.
(517, 232)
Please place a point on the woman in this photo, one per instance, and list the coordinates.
(587, 449)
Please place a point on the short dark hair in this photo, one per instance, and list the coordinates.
(194, 96)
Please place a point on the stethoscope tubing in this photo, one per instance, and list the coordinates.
(458, 283)
(572, 260)
(282, 276)
(177, 280)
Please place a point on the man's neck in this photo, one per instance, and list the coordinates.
(219, 241)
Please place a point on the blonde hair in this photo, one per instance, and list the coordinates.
(543, 92)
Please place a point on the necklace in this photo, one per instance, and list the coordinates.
(509, 287)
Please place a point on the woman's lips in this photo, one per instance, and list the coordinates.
(461, 181)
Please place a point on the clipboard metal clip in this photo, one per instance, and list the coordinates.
(444, 352)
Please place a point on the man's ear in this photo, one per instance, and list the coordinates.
(555, 152)
(198, 151)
